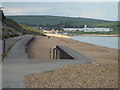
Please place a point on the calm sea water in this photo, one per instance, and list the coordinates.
(110, 42)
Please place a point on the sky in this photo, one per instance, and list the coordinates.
(59, 0)
(97, 10)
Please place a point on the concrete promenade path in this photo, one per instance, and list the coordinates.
(16, 65)
(0, 76)
(14, 70)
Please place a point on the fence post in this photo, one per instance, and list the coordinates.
(3, 46)
(50, 53)
(54, 53)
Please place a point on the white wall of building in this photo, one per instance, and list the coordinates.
(85, 29)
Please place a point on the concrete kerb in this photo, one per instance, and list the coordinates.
(19, 48)
(15, 63)
(8, 43)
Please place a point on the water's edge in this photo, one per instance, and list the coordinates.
(109, 42)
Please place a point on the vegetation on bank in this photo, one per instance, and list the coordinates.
(32, 28)
(11, 29)
(113, 25)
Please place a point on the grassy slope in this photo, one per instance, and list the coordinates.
(113, 25)
(31, 28)
(38, 20)
(11, 29)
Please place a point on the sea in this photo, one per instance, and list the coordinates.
(104, 41)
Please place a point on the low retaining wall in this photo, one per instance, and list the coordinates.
(19, 50)
(8, 43)
(63, 52)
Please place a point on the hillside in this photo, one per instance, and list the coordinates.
(113, 25)
(56, 22)
(11, 29)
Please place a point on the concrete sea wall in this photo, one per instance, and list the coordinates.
(19, 50)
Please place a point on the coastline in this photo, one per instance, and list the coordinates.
(100, 74)
(59, 35)
(115, 35)
(68, 36)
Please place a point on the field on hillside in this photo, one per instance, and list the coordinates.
(56, 21)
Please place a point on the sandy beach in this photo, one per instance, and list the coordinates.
(101, 74)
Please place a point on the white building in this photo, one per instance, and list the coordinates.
(72, 29)
(85, 29)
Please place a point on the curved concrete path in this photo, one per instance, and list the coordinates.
(16, 65)
(19, 49)
(9, 42)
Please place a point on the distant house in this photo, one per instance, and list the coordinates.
(97, 30)
(85, 29)
(65, 33)
(45, 31)
(72, 29)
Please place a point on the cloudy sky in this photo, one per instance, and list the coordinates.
(60, 0)
(98, 10)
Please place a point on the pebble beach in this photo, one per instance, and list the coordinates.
(103, 73)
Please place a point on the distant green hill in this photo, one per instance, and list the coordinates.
(56, 22)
